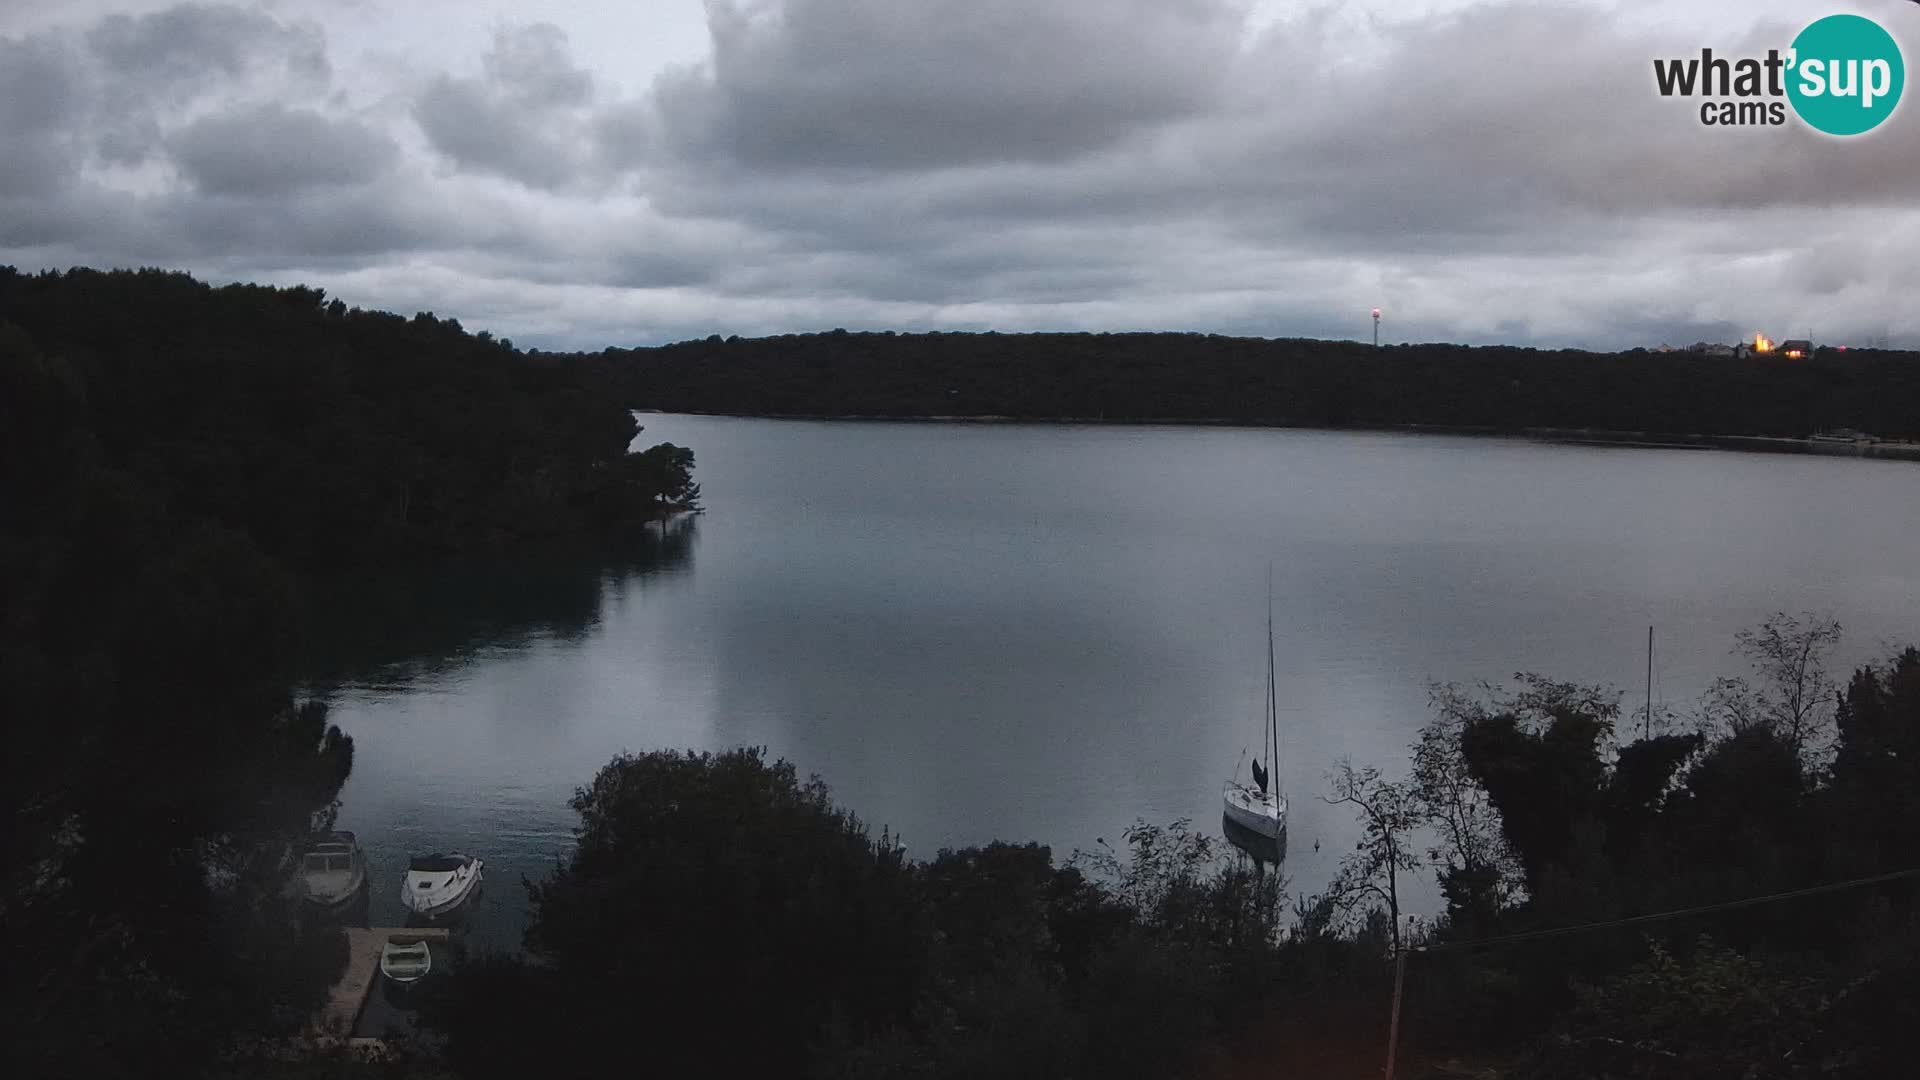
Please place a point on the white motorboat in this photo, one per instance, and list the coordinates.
(1259, 807)
(438, 885)
(333, 871)
(405, 962)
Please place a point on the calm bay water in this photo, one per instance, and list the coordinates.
(1046, 632)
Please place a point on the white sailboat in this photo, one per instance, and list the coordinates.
(1259, 808)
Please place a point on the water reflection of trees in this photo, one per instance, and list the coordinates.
(397, 624)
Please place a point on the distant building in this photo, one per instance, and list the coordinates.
(1710, 348)
(1796, 349)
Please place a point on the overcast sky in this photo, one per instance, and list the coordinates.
(625, 172)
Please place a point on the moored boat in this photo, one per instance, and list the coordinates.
(438, 885)
(1259, 808)
(1263, 849)
(405, 961)
(333, 871)
(1262, 813)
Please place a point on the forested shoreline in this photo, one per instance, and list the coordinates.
(179, 465)
(330, 435)
(1292, 382)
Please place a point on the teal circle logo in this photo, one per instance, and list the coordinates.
(1846, 75)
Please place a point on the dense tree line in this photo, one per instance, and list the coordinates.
(723, 917)
(1545, 813)
(1280, 381)
(156, 771)
(331, 435)
(176, 461)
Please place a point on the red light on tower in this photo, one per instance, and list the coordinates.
(1376, 328)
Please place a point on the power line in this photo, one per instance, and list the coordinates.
(1400, 960)
(1661, 916)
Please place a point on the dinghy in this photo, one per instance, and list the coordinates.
(405, 961)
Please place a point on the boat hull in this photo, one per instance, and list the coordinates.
(1257, 812)
(452, 909)
(331, 896)
(406, 966)
(333, 873)
(1262, 849)
(441, 894)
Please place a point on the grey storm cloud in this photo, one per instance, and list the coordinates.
(105, 96)
(271, 149)
(532, 67)
(1501, 170)
(520, 119)
(40, 101)
(230, 101)
(38, 91)
(153, 65)
(197, 43)
(880, 84)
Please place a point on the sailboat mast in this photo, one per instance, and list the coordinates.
(1648, 733)
(1273, 700)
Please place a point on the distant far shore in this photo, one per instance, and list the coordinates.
(1825, 446)
(1768, 402)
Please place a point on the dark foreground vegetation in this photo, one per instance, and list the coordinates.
(176, 462)
(1541, 808)
(1255, 380)
(733, 921)
(327, 435)
(721, 917)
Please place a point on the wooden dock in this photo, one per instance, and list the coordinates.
(349, 995)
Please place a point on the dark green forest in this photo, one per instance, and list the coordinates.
(1280, 381)
(330, 435)
(177, 464)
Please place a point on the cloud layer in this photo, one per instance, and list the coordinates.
(1497, 171)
